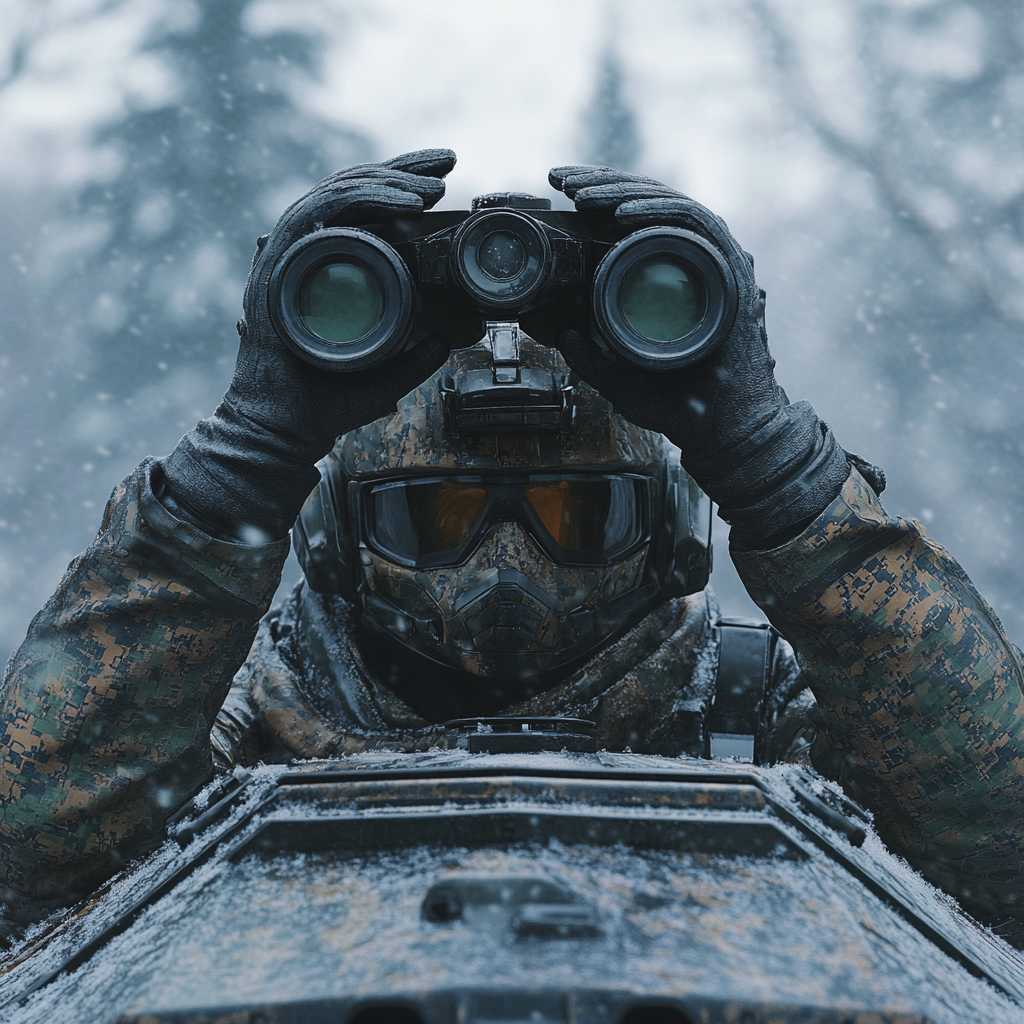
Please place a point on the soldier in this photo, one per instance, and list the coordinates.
(490, 575)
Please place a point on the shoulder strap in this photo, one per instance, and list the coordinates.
(745, 652)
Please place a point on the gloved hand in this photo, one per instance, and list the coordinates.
(246, 471)
(771, 467)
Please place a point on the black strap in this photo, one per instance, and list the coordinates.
(745, 653)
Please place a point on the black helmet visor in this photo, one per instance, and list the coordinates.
(575, 518)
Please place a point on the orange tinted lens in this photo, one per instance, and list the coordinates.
(557, 507)
(445, 514)
(588, 515)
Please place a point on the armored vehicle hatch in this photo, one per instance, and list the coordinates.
(456, 887)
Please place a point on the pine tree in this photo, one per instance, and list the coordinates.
(144, 339)
(612, 137)
(192, 193)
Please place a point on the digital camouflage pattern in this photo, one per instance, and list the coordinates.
(646, 691)
(414, 439)
(106, 709)
(107, 705)
(917, 685)
(507, 611)
(466, 601)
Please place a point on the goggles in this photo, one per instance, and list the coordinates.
(590, 519)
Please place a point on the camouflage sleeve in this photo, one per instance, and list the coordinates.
(917, 685)
(106, 709)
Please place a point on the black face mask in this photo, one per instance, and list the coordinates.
(582, 519)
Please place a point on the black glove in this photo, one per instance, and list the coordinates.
(246, 471)
(772, 467)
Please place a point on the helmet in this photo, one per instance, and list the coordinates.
(505, 521)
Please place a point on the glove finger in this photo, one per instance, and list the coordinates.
(435, 163)
(365, 202)
(430, 189)
(587, 178)
(612, 194)
(682, 211)
(418, 173)
(421, 162)
(331, 194)
(558, 176)
(357, 172)
(571, 175)
(677, 208)
(369, 199)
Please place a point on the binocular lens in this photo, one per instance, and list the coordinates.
(664, 297)
(342, 299)
(341, 302)
(501, 255)
(661, 298)
(661, 301)
(502, 259)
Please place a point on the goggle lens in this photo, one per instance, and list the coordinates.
(426, 519)
(586, 515)
(439, 522)
(445, 514)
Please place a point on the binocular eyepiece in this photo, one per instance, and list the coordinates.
(350, 298)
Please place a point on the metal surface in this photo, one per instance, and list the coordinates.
(523, 734)
(457, 887)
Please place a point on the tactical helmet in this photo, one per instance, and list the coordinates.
(504, 521)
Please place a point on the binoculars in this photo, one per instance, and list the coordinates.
(346, 298)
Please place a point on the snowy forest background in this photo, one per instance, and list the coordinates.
(870, 153)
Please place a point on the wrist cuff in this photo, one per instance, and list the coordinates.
(230, 473)
(785, 488)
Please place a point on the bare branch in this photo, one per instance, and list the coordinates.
(19, 51)
(871, 158)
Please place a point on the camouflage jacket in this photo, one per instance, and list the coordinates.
(305, 690)
(108, 705)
